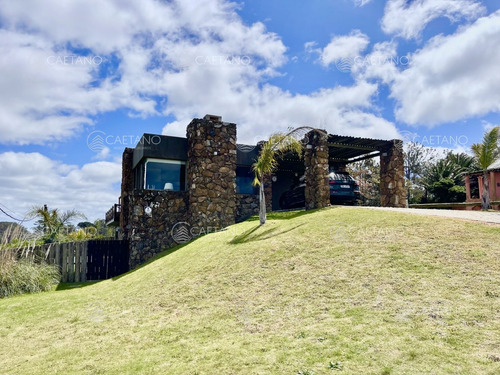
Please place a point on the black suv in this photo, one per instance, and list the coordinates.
(343, 189)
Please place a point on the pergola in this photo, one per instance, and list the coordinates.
(323, 150)
(345, 149)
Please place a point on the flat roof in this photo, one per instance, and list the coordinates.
(345, 149)
(348, 149)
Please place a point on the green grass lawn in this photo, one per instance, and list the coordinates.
(380, 292)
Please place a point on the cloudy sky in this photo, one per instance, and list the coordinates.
(425, 70)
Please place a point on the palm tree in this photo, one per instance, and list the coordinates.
(486, 153)
(278, 143)
(51, 222)
(453, 166)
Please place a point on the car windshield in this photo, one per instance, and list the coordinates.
(339, 176)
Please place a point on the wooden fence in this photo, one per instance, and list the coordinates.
(85, 260)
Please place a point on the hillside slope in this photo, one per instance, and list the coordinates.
(380, 292)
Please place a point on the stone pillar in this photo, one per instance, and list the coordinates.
(126, 190)
(317, 191)
(392, 176)
(211, 173)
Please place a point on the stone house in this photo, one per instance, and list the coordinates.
(174, 189)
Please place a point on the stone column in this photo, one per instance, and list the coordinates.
(317, 191)
(211, 173)
(126, 189)
(392, 176)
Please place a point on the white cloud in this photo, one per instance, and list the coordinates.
(408, 19)
(381, 63)
(340, 110)
(344, 46)
(32, 179)
(197, 59)
(361, 3)
(452, 77)
(487, 126)
(49, 96)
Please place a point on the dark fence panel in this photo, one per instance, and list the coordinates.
(84, 260)
(106, 258)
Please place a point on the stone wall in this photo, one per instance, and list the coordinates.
(246, 205)
(317, 191)
(126, 188)
(153, 216)
(392, 176)
(211, 173)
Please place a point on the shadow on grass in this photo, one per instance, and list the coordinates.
(83, 284)
(247, 236)
(284, 214)
(251, 236)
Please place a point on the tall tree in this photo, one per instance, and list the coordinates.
(418, 158)
(486, 153)
(367, 174)
(278, 143)
(51, 222)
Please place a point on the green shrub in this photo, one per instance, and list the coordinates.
(25, 276)
(19, 273)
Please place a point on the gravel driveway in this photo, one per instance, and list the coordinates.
(485, 217)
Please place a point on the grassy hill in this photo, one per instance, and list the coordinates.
(379, 292)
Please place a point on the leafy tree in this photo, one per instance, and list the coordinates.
(486, 153)
(102, 230)
(88, 230)
(445, 178)
(85, 224)
(466, 162)
(52, 222)
(417, 158)
(367, 174)
(278, 143)
(444, 190)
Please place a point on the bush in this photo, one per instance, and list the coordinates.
(19, 273)
(445, 190)
(25, 276)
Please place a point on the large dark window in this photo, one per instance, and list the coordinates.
(244, 179)
(165, 175)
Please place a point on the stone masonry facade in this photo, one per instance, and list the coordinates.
(392, 176)
(246, 206)
(317, 190)
(152, 220)
(155, 220)
(211, 173)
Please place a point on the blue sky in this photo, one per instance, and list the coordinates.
(422, 70)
